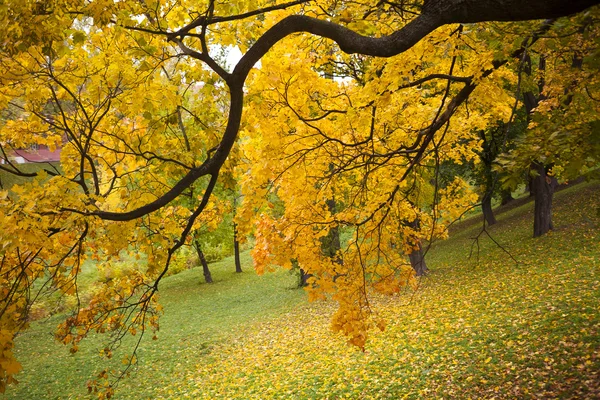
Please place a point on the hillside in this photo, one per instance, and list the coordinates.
(516, 319)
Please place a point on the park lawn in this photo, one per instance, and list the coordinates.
(484, 326)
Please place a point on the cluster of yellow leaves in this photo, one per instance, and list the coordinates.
(311, 141)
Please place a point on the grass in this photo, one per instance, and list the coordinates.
(478, 327)
(196, 316)
(8, 180)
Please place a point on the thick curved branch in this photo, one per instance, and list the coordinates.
(210, 167)
(471, 11)
(348, 40)
(435, 14)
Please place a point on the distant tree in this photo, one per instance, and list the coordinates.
(562, 140)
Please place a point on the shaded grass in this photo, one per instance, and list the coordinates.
(478, 327)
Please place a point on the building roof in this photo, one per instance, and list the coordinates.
(36, 156)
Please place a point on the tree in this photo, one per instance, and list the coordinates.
(561, 141)
(496, 140)
(112, 77)
(236, 241)
(202, 259)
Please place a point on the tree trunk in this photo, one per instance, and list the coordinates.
(543, 189)
(486, 206)
(506, 196)
(417, 258)
(530, 187)
(330, 244)
(417, 261)
(236, 249)
(489, 152)
(205, 270)
(304, 278)
(303, 282)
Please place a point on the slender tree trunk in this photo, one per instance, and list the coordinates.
(236, 242)
(417, 258)
(303, 274)
(330, 244)
(205, 270)
(304, 278)
(417, 261)
(488, 212)
(543, 187)
(488, 154)
(236, 249)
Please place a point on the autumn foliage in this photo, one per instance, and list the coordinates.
(337, 122)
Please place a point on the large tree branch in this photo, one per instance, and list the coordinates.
(210, 167)
(471, 11)
(435, 14)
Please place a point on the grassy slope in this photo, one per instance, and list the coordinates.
(7, 180)
(477, 328)
(196, 317)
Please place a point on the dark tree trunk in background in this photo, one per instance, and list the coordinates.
(304, 278)
(330, 244)
(541, 186)
(417, 261)
(205, 270)
(529, 187)
(236, 249)
(506, 197)
(486, 206)
(417, 258)
(543, 189)
(489, 152)
(236, 242)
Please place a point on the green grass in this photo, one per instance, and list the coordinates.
(7, 179)
(196, 316)
(478, 327)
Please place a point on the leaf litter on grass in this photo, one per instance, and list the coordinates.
(475, 328)
(486, 329)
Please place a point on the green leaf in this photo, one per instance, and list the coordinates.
(79, 37)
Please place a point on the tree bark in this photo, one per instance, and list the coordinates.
(205, 269)
(488, 212)
(543, 188)
(417, 261)
(416, 257)
(304, 278)
(236, 249)
(330, 244)
(506, 197)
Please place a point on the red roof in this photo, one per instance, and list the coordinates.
(39, 155)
